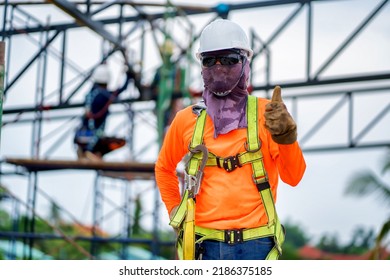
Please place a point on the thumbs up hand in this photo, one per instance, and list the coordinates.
(278, 120)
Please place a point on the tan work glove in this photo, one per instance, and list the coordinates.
(278, 120)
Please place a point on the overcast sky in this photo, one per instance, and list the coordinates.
(318, 204)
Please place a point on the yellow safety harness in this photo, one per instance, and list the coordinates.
(196, 160)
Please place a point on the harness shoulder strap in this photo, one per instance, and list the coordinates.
(184, 218)
(260, 178)
(253, 142)
(197, 139)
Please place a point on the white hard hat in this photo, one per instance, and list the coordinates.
(101, 75)
(223, 34)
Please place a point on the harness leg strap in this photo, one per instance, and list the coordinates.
(269, 205)
(189, 231)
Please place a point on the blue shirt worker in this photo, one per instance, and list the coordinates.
(93, 121)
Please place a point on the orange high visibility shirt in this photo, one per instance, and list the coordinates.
(226, 200)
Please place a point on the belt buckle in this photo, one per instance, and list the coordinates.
(233, 161)
(233, 236)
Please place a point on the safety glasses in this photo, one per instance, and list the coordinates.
(225, 59)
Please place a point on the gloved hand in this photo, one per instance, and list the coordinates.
(278, 120)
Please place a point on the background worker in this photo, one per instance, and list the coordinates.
(229, 200)
(93, 121)
(167, 83)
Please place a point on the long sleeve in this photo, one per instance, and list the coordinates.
(170, 155)
(291, 163)
(288, 158)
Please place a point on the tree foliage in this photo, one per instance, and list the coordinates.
(296, 237)
(368, 183)
(362, 240)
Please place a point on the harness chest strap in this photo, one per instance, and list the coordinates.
(252, 154)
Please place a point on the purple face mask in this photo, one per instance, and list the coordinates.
(227, 112)
(222, 79)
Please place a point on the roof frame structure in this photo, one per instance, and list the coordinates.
(312, 79)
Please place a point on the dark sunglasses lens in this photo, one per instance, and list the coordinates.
(209, 61)
(229, 60)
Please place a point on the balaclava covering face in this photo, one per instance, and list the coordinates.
(227, 112)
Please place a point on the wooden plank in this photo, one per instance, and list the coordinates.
(128, 175)
(49, 164)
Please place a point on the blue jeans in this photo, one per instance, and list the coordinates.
(256, 249)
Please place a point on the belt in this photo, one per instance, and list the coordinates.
(233, 236)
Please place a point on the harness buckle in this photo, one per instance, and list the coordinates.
(234, 163)
(233, 236)
(192, 183)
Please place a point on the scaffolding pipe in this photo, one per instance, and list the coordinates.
(2, 52)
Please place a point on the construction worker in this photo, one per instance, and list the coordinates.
(235, 147)
(97, 103)
(168, 85)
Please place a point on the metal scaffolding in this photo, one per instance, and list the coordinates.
(61, 81)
